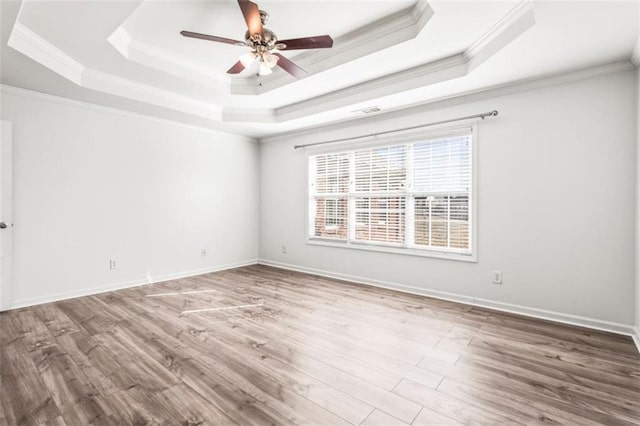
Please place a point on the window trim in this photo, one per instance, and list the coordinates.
(409, 249)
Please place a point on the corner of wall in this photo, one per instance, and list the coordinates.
(635, 59)
(637, 316)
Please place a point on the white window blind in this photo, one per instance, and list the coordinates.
(329, 190)
(415, 195)
(442, 187)
(380, 179)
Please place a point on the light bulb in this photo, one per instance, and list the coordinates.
(247, 59)
(270, 60)
(264, 69)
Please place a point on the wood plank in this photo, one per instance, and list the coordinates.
(235, 371)
(58, 421)
(72, 391)
(190, 408)
(555, 403)
(380, 418)
(448, 406)
(605, 377)
(513, 405)
(96, 362)
(597, 404)
(25, 398)
(316, 351)
(428, 417)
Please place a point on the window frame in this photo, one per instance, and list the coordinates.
(409, 248)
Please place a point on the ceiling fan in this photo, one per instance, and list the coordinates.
(262, 42)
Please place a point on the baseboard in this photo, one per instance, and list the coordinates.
(636, 337)
(559, 317)
(591, 323)
(23, 303)
(208, 270)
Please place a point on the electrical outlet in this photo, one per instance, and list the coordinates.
(113, 264)
(497, 277)
(203, 252)
(284, 249)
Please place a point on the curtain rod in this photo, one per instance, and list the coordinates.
(469, 117)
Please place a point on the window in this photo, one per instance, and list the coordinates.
(331, 186)
(410, 197)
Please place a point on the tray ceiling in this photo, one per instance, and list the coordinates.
(386, 53)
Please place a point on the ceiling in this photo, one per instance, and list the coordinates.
(389, 54)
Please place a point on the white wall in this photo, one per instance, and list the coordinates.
(93, 184)
(556, 211)
(555, 172)
(637, 320)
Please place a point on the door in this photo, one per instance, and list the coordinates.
(6, 214)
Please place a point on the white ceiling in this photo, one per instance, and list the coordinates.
(129, 54)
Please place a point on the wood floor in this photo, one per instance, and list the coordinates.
(303, 350)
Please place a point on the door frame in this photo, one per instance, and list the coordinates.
(6, 214)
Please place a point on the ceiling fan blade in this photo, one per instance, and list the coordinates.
(252, 16)
(211, 38)
(236, 68)
(316, 42)
(290, 67)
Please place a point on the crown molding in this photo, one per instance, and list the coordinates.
(32, 45)
(121, 41)
(444, 102)
(248, 115)
(510, 27)
(460, 98)
(391, 30)
(381, 34)
(412, 78)
(33, 94)
(109, 83)
(518, 20)
(35, 47)
(160, 59)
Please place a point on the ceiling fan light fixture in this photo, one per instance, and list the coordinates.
(265, 69)
(247, 59)
(269, 59)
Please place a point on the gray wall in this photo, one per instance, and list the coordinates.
(556, 210)
(93, 184)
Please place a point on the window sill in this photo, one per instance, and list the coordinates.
(396, 250)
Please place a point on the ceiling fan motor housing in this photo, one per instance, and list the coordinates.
(264, 16)
(266, 41)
